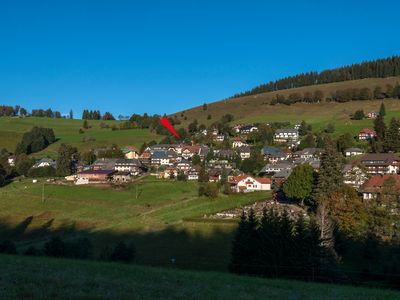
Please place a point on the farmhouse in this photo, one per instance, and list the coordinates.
(245, 183)
(133, 166)
(286, 135)
(381, 163)
(94, 176)
(366, 134)
(388, 184)
(349, 152)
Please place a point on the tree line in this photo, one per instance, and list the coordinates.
(379, 68)
(12, 111)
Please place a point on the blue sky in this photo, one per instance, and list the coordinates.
(164, 56)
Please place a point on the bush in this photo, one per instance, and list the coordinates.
(80, 248)
(55, 247)
(210, 190)
(32, 251)
(123, 252)
(42, 172)
(8, 247)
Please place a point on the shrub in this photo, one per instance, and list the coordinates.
(32, 251)
(8, 247)
(80, 248)
(123, 252)
(42, 172)
(55, 247)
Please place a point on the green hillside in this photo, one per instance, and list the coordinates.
(256, 108)
(46, 278)
(67, 131)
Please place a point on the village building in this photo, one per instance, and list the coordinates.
(133, 166)
(45, 162)
(94, 176)
(273, 168)
(130, 152)
(237, 127)
(189, 151)
(219, 138)
(122, 177)
(11, 160)
(286, 135)
(238, 142)
(184, 165)
(168, 173)
(366, 134)
(245, 183)
(225, 154)
(308, 153)
(280, 177)
(145, 157)
(104, 164)
(244, 152)
(381, 163)
(246, 129)
(214, 175)
(193, 173)
(354, 175)
(273, 154)
(378, 185)
(372, 115)
(349, 152)
(160, 158)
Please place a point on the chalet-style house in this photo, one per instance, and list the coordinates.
(381, 163)
(377, 185)
(104, 164)
(244, 152)
(184, 165)
(133, 166)
(94, 176)
(349, 152)
(286, 135)
(189, 151)
(238, 142)
(245, 183)
(214, 175)
(45, 162)
(130, 152)
(160, 158)
(273, 154)
(308, 153)
(246, 129)
(366, 134)
(273, 168)
(354, 175)
(225, 154)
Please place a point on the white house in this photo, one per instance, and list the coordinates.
(45, 162)
(245, 183)
(286, 135)
(238, 142)
(353, 152)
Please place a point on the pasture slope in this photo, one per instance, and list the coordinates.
(163, 218)
(256, 108)
(67, 131)
(47, 278)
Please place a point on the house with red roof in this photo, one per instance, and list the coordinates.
(366, 134)
(245, 183)
(377, 185)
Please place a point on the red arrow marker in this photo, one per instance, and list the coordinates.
(168, 125)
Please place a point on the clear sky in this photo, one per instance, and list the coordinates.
(165, 56)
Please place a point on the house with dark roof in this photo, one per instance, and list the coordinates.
(273, 154)
(160, 158)
(381, 163)
(349, 152)
(244, 152)
(133, 166)
(104, 164)
(286, 135)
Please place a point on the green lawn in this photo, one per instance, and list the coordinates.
(67, 131)
(46, 278)
(154, 220)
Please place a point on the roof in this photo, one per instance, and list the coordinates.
(379, 158)
(158, 154)
(99, 172)
(353, 150)
(244, 149)
(268, 150)
(128, 149)
(367, 131)
(262, 180)
(286, 130)
(376, 183)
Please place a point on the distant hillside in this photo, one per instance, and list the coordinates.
(67, 131)
(257, 108)
(46, 278)
(380, 68)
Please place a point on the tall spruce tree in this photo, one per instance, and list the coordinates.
(330, 176)
(392, 138)
(380, 127)
(382, 110)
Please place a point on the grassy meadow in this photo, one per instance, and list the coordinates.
(67, 131)
(163, 218)
(66, 279)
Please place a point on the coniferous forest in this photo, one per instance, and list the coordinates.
(380, 68)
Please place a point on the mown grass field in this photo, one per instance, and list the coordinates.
(47, 278)
(67, 131)
(152, 213)
(256, 108)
